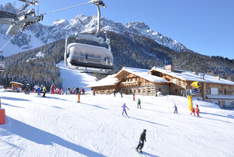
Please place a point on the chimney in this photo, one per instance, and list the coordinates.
(169, 67)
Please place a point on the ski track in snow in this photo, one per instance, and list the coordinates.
(57, 126)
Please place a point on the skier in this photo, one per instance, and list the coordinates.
(78, 95)
(124, 109)
(44, 91)
(133, 96)
(52, 89)
(193, 111)
(38, 91)
(139, 103)
(175, 109)
(197, 111)
(83, 91)
(27, 89)
(142, 140)
(121, 94)
(77, 90)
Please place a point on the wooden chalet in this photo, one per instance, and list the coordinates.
(180, 82)
(131, 80)
(16, 86)
(140, 81)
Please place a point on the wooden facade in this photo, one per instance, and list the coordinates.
(104, 89)
(130, 83)
(178, 86)
(133, 82)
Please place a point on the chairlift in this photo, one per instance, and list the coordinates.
(90, 52)
(21, 20)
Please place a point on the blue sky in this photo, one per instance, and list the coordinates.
(205, 26)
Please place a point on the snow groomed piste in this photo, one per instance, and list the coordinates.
(59, 126)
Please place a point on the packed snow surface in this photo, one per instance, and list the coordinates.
(58, 126)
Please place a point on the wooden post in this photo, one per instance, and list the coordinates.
(204, 91)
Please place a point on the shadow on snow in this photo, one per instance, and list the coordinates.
(6, 104)
(95, 106)
(57, 107)
(14, 99)
(56, 98)
(149, 155)
(42, 137)
(143, 120)
(215, 114)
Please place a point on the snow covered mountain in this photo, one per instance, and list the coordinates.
(38, 34)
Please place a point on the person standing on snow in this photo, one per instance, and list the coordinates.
(139, 103)
(44, 91)
(142, 140)
(121, 94)
(124, 109)
(175, 109)
(38, 91)
(78, 94)
(197, 111)
(133, 96)
(193, 111)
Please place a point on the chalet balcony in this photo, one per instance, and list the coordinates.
(132, 83)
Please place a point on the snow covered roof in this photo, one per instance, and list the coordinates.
(189, 76)
(18, 83)
(107, 81)
(143, 73)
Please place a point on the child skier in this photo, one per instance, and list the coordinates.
(175, 109)
(124, 109)
(139, 103)
(142, 140)
(193, 111)
(197, 111)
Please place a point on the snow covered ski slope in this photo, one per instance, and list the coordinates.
(73, 78)
(57, 126)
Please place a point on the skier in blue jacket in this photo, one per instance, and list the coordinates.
(124, 109)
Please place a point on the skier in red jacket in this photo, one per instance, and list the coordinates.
(197, 111)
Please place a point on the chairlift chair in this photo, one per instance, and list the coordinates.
(94, 56)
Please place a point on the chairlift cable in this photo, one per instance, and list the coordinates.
(8, 41)
(67, 8)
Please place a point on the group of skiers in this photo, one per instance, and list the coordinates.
(75, 91)
(142, 140)
(40, 90)
(195, 111)
(125, 108)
